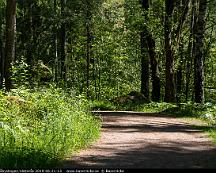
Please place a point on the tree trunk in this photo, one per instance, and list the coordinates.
(199, 31)
(1, 54)
(88, 47)
(29, 29)
(154, 69)
(190, 51)
(179, 71)
(182, 20)
(179, 82)
(144, 54)
(170, 93)
(144, 65)
(55, 46)
(148, 45)
(62, 40)
(10, 41)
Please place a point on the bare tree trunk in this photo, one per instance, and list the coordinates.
(148, 55)
(170, 93)
(199, 31)
(179, 74)
(183, 6)
(144, 65)
(88, 47)
(190, 51)
(29, 29)
(144, 53)
(62, 40)
(182, 19)
(55, 46)
(10, 41)
(1, 54)
(154, 69)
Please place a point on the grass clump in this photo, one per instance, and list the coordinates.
(38, 129)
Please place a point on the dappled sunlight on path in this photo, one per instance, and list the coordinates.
(139, 140)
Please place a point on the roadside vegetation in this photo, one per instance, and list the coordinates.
(60, 59)
(39, 128)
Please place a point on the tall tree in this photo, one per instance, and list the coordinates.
(144, 53)
(170, 93)
(155, 95)
(55, 44)
(10, 41)
(29, 30)
(190, 49)
(154, 69)
(88, 45)
(62, 41)
(184, 6)
(1, 52)
(199, 33)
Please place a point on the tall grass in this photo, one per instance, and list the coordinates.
(38, 129)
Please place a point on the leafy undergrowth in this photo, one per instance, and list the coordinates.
(206, 111)
(152, 107)
(38, 129)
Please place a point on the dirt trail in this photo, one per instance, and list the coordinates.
(139, 140)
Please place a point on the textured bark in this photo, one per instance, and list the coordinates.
(10, 41)
(144, 54)
(148, 55)
(199, 31)
(154, 69)
(170, 93)
(144, 65)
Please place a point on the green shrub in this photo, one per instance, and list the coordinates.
(102, 105)
(43, 128)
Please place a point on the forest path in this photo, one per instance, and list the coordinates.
(141, 140)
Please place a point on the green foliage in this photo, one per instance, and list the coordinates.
(212, 134)
(206, 112)
(38, 129)
(152, 107)
(102, 105)
(20, 72)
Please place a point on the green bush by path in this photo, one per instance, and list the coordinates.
(38, 129)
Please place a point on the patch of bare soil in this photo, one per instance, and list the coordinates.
(139, 140)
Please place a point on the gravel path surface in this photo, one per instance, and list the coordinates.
(139, 140)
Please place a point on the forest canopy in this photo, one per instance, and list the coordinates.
(103, 49)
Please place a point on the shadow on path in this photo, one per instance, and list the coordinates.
(139, 140)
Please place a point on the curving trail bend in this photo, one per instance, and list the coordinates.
(141, 140)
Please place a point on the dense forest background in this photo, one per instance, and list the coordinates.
(61, 59)
(106, 48)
